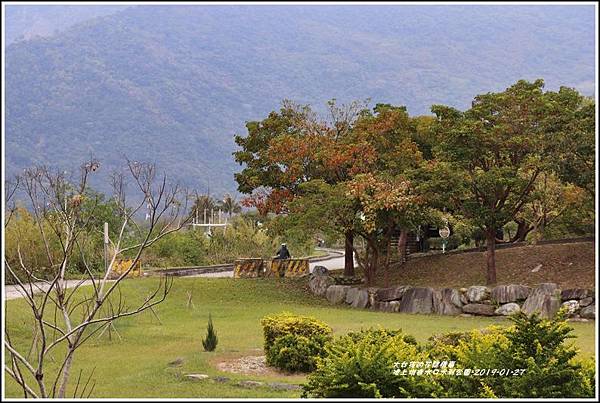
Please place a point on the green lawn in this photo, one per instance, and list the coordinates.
(137, 366)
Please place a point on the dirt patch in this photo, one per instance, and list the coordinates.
(569, 265)
(251, 365)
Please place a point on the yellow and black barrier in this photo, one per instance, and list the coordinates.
(288, 267)
(248, 268)
(296, 267)
(277, 268)
(121, 266)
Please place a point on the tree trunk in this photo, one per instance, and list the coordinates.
(373, 267)
(523, 229)
(402, 245)
(349, 254)
(388, 253)
(66, 373)
(491, 256)
(372, 260)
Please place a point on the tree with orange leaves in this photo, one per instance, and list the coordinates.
(296, 146)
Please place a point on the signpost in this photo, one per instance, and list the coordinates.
(444, 233)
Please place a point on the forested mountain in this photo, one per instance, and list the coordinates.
(173, 84)
(26, 22)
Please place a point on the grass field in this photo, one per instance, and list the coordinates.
(138, 365)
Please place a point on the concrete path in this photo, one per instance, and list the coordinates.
(14, 291)
(335, 262)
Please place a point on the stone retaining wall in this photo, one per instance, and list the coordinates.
(545, 299)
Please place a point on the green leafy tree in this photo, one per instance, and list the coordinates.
(575, 160)
(293, 147)
(491, 156)
(551, 200)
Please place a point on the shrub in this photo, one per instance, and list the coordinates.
(293, 342)
(275, 326)
(533, 344)
(210, 341)
(297, 353)
(362, 365)
(474, 349)
(538, 345)
(341, 280)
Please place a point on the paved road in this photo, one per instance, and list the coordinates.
(14, 292)
(336, 262)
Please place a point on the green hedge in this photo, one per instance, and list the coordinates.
(293, 342)
(362, 364)
(535, 345)
(294, 353)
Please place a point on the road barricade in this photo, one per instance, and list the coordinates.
(288, 268)
(296, 268)
(248, 268)
(276, 268)
(121, 266)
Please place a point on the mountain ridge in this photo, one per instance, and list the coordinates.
(173, 84)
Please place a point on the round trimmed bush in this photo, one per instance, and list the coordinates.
(293, 342)
(296, 353)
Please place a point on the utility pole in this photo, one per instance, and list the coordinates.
(106, 246)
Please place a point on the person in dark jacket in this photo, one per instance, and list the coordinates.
(283, 252)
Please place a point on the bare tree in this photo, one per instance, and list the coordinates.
(65, 318)
(11, 187)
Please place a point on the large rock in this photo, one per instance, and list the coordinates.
(575, 293)
(390, 294)
(417, 300)
(319, 284)
(350, 294)
(197, 377)
(571, 306)
(357, 297)
(508, 309)
(589, 312)
(447, 302)
(336, 294)
(544, 300)
(510, 293)
(463, 296)
(250, 384)
(320, 271)
(372, 294)
(479, 309)
(391, 306)
(283, 386)
(478, 293)
(586, 301)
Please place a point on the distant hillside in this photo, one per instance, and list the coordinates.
(174, 84)
(26, 22)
